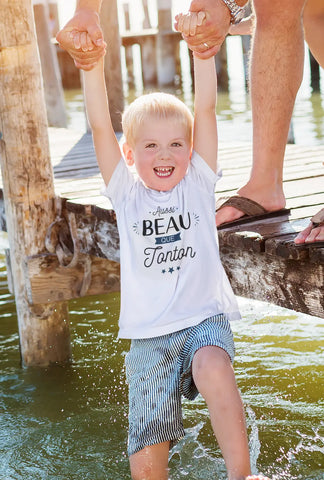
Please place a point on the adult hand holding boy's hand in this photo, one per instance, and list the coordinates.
(212, 32)
(90, 46)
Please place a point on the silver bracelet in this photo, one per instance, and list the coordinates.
(237, 12)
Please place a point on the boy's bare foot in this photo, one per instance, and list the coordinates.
(256, 477)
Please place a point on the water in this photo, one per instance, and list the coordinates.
(71, 422)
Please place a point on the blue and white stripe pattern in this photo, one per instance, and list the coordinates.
(158, 372)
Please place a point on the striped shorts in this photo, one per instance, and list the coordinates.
(158, 372)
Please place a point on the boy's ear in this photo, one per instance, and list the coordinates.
(128, 154)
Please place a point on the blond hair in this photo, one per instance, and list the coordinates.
(158, 105)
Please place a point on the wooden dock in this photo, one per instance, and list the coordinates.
(260, 258)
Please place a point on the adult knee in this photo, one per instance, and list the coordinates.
(277, 15)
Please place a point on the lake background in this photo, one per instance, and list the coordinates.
(70, 423)
(233, 109)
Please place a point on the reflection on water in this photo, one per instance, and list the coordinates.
(71, 422)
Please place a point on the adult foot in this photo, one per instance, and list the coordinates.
(314, 232)
(269, 200)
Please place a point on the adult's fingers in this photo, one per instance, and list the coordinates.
(204, 53)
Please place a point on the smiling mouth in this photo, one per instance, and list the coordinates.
(163, 171)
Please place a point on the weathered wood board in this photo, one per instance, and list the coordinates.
(294, 284)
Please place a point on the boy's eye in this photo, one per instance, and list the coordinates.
(150, 145)
(176, 144)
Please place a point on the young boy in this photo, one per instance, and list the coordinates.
(176, 301)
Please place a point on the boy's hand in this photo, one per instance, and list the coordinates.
(211, 34)
(187, 23)
(89, 45)
(82, 41)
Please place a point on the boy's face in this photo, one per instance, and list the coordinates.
(161, 153)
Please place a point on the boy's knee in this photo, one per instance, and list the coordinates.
(210, 363)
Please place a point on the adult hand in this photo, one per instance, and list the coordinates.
(85, 25)
(211, 34)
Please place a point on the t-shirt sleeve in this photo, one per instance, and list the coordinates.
(120, 184)
(202, 174)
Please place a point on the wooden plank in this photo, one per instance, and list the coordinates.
(47, 281)
(251, 236)
(297, 285)
(285, 247)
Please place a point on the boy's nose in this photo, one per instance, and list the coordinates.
(164, 154)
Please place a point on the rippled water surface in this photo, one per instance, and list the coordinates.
(71, 422)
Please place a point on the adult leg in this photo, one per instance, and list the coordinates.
(314, 28)
(213, 375)
(276, 74)
(151, 463)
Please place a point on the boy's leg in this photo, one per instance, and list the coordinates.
(151, 463)
(213, 375)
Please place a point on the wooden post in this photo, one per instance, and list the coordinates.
(54, 97)
(27, 180)
(148, 52)
(246, 51)
(165, 46)
(148, 59)
(146, 21)
(109, 22)
(54, 24)
(129, 50)
(221, 68)
(314, 72)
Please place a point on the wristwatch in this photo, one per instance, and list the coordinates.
(237, 12)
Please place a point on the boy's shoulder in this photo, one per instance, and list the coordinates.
(202, 168)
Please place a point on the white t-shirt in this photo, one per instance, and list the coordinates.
(171, 274)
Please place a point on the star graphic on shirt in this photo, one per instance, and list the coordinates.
(171, 270)
(163, 271)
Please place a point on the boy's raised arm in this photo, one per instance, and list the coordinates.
(205, 139)
(85, 20)
(107, 149)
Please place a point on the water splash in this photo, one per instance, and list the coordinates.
(189, 458)
(254, 442)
